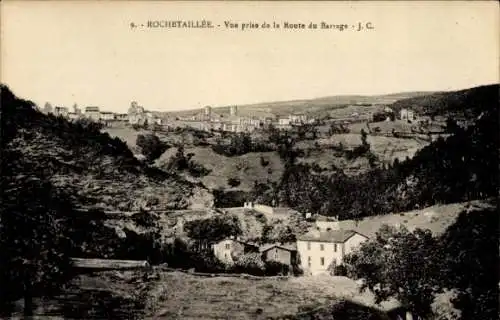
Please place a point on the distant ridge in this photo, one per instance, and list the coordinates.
(467, 103)
(321, 104)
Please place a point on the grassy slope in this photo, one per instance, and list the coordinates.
(386, 148)
(193, 297)
(436, 218)
(246, 167)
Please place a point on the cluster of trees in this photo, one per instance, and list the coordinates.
(417, 268)
(181, 162)
(239, 144)
(338, 128)
(34, 243)
(151, 146)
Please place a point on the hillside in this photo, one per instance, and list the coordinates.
(95, 169)
(463, 103)
(321, 105)
(246, 168)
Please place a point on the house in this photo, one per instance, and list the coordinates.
(122, 117)
(61, 111)
(271, 212)
(93, 113)
(297, 118)
(107, 116)
(320, 251)
(407, 114)
(228, 249)
(282, 253)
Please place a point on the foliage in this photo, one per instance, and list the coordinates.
(251, 263)
(181, 162)
(233, 182)
(443, 308)
(418, 269)
(263, 161)
(229, 198)
(338, 129)
(145, 219)
(34, 244)
(213, 229)
(453, 170)
(398, 264)
(152, 147)
(278, 232)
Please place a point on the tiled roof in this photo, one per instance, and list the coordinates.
(288, 246)
(339, 236)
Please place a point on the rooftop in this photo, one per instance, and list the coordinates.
(286, 246)
(338, 236)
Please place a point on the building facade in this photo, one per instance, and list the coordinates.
(93, 113)
(229, 249)
(321, 251)
(282, 253)
(407, 114)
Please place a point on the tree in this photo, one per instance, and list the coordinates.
(233, 182)
(399, 264)
(152, 147)
(210, 230)
(34, 245)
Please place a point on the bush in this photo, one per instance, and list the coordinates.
(250, 263)
(233, 182)
(145, 219)
(340, 270)
(443, 308)
(152, 147)
(263, 161)
(274, 268)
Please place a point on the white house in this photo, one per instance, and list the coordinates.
(93, 113)
(407, 114)
(320, 251)
(230, 248)
(106, 115)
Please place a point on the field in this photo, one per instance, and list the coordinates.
(179, 295)
(185, 296)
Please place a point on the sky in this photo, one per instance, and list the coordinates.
(85, 52)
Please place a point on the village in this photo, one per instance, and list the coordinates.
(207, 119)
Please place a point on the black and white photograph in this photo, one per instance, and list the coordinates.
(276, 160)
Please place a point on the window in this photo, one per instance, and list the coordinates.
(321, 247)
(309, 261)
(322, 261)
(228, 246)
(308, 246)
(335, 247)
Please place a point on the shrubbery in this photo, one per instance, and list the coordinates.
(417, 268)
(152, 147)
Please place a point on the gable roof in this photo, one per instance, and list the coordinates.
(239, 241)
(287, 247)
(338, 236)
